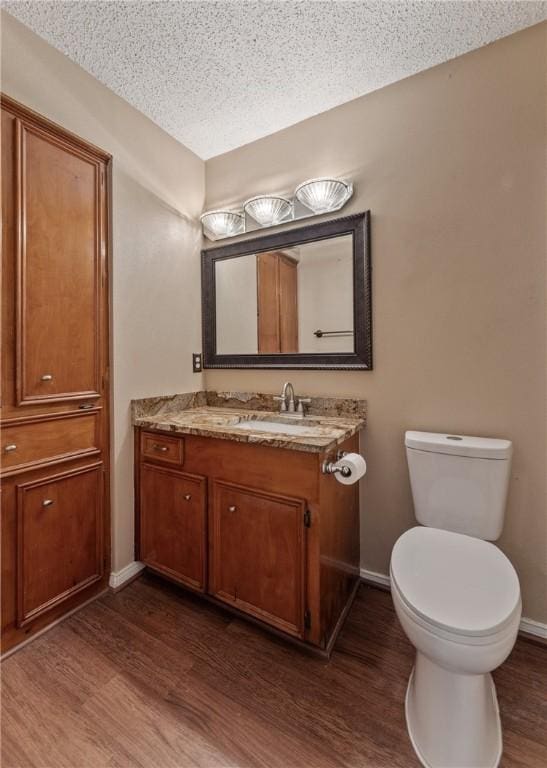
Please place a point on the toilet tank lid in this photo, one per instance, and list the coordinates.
(459, 445)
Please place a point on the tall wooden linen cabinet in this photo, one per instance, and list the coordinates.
(54, 447)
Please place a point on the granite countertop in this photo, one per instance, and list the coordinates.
(225, 415)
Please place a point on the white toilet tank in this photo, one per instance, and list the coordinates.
(459, 483)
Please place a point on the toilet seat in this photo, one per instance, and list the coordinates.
(455, 584)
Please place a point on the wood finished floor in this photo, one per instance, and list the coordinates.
(155, 678)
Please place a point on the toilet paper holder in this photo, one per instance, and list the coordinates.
(330, 468)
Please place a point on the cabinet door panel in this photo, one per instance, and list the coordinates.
(59, 538)
(288, 305)
(172, 524)
(58, 269)
(277, 295)
(268, 303)
(258, 554)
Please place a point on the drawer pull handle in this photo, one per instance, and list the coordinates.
(162, 448)
(232, 509)
(46, 377)
(11, 447)
(47, 502)
(187, 496)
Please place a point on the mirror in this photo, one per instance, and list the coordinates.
(293, 300)
(297, 299)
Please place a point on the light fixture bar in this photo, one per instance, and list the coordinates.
(314, 197)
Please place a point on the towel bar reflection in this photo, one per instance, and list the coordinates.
(319, 333)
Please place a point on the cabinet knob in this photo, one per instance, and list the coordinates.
(47, 502)
(46, 377)
(232, 509)
(9, 448)
(187, 496)
(158, 447)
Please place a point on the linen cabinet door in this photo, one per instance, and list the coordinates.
(173, 524)
(258, 554)
(59, 539)
(60, 221)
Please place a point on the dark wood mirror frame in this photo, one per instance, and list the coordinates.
(357, 225)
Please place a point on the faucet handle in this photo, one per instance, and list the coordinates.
(281, 399)
(301, 402)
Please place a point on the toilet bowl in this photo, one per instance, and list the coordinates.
(458, 600)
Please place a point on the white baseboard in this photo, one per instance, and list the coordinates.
(377, 579)
(528, 626)
(536, 628)
(118, 578)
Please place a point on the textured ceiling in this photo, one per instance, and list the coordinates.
(216, 75)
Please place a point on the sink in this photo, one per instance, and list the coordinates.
(283, 426)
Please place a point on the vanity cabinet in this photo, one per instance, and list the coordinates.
(54, 375)
(264, 533)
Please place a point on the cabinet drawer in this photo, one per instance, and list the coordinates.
(168, 450)
(46, 441)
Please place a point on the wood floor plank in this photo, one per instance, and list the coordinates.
(146, 731)
(42, 727)
(136, 654)
(153, 677)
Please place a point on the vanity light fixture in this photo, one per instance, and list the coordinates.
(312, 198)
(219, 224)
(268, 210)
(323, 195)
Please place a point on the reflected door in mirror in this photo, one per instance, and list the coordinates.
(277, 295)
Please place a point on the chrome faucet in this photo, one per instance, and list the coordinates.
(289, 406)
(286, 407)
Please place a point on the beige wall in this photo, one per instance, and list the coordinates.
(451, 164)
(236, 305)
(158, 191)
(325, 294)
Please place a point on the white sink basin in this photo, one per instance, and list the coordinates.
(256, 425)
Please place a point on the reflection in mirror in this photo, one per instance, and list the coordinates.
(287, 301)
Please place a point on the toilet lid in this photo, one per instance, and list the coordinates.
(455, 582)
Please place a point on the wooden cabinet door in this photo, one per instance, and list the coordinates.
(258, 552)
(59, 245)
(173, 524)
(268, 303)
(277, 296)
(59, 538)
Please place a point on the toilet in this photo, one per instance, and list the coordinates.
(457, 597)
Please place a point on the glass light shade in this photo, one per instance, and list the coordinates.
(268, 211)
(322, 195)
(221, 223)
